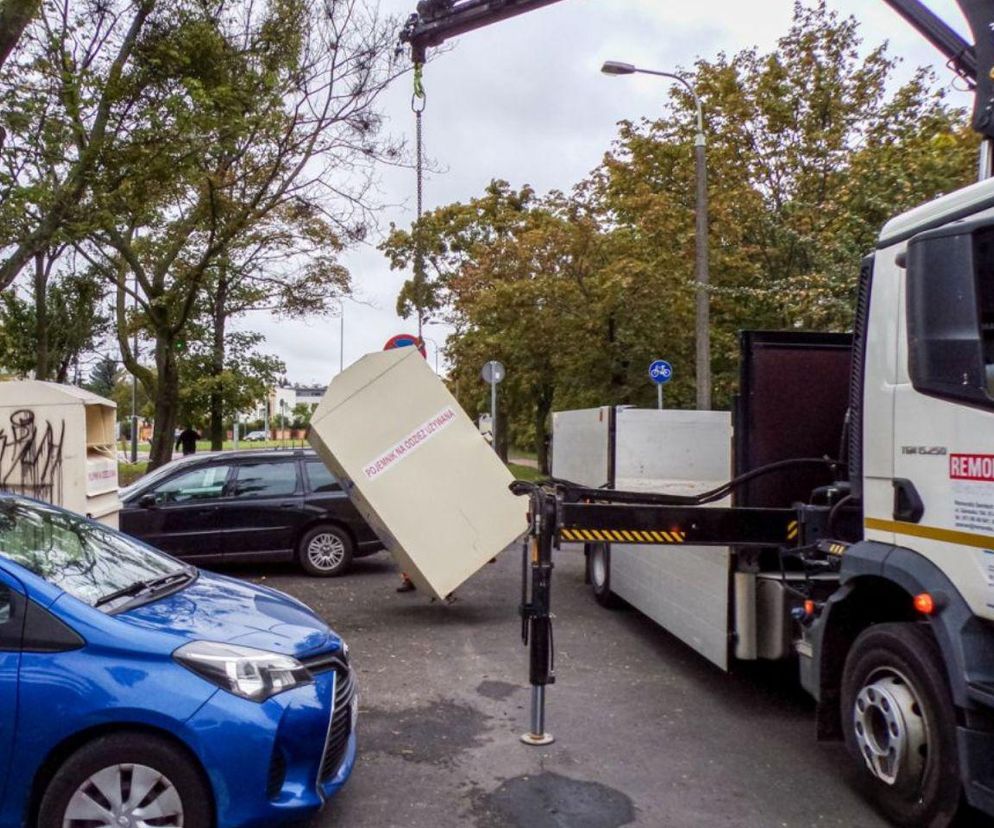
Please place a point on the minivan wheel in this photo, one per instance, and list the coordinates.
(325, 551)
(127, 780)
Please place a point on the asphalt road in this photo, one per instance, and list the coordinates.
(647, 732)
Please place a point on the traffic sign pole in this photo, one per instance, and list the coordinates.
(493, 413)
(659, 396)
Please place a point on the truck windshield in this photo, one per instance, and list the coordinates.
(85, 559)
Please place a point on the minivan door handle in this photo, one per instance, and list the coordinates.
(288, 505)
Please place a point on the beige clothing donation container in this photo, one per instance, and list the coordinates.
(57, 445)
(417, 468)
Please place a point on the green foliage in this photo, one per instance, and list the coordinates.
(246, 378)
(103, 377)
(807, 157)
(73, 321)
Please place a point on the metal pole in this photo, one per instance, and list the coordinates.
(659, 397)
(984, 162)
(703, 322)
(341, 336)
(702, 276)
(493, 411)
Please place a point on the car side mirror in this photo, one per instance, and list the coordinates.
(147, 501)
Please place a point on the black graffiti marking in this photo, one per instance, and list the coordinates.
(31, 457)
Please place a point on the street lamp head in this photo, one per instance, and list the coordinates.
(616, 67)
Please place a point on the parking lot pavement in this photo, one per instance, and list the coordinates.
(647, 732)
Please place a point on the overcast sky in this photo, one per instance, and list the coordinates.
(524, 100)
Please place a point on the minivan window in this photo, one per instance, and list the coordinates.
(200, 484)
(266, 479)
(320, 478)
(82, 558)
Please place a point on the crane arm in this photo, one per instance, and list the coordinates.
(435, 21)
(438, 20)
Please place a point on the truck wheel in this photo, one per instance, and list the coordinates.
(599, 561)
(325, 551)
(900, 725)
(127, 779)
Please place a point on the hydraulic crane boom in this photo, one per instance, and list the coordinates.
(439, 20)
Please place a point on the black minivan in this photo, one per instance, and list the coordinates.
(261, 505)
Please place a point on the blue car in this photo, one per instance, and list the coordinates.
(136, 690)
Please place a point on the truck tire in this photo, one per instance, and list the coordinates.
(900, 724)
(599, 564)
(130, 777)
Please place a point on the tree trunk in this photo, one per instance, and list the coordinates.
(166, 403)
(217, 361)
(41, 317)
(543, 407)
(14, 18)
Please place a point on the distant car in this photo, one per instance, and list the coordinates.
(136, 690)
(254, 436)
(257, 505)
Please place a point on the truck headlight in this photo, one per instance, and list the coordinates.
(244, 671)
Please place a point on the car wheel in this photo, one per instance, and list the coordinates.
(900, 724)
(599, 558)
(129, 780)
(325, 551)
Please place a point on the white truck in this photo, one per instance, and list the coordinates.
(881, 585)
(874, 570)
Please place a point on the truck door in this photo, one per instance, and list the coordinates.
(942, 502)
(12, 604)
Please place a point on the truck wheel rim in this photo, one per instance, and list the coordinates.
(326, 551)
(125, 796)
(890, 729)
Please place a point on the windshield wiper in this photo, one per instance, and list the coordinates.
(140, 587)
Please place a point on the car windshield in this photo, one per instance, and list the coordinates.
(83, 558)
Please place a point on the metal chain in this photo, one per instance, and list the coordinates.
(418, 101)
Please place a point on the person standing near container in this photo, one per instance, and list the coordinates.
(187, 440)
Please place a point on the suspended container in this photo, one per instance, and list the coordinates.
(57, 445)
(417, 468)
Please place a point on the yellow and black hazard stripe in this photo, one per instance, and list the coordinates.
(623, 535)
(792, 530)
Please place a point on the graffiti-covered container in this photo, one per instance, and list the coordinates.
(57, 445)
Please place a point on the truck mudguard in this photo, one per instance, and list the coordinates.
(878, 583)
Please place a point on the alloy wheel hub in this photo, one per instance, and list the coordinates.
(325, 551)
(890, 730)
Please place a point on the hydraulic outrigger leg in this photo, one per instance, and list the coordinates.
(563, 511)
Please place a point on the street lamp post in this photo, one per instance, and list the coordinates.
(703, 322)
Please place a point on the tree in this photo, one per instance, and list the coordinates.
(14, 18)
(61, 107)
(49, 333)
(251, 110)
(103, 377)
(236, 388)
(807, 156)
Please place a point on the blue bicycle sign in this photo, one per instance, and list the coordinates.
(660, 372)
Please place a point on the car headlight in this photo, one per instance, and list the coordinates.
(244, 671)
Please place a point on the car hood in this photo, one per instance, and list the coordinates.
(215, 608)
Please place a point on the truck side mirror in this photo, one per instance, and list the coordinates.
(950, 302)
(147, 501)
